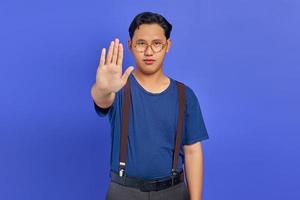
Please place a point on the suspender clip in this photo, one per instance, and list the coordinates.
(174, 175)
(122, 169)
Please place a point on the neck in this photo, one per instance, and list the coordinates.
(152, 82)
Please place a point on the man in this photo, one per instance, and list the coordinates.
(153, 118)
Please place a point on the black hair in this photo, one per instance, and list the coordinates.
(150, 18)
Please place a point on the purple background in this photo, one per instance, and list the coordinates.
(241, 58)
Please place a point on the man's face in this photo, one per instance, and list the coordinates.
(147, 34)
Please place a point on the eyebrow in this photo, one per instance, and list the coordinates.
(151, 41)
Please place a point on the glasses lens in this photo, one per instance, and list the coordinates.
(140, 46)
(156, 46)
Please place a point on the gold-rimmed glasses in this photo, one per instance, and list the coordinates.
(156, 46)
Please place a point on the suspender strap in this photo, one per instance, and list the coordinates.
(181, 100)
(124, 126)
(124, 129)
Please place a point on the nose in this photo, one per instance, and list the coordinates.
(148, 51)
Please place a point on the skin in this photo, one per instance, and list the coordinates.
(151, 77)
(193, 167)
(109, 80)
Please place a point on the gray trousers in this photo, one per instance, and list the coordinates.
(119, 192)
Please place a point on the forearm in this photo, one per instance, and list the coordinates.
(102, 97)
(194, 173)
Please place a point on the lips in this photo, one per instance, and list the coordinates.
(148, 61)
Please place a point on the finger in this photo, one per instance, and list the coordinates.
(126, 74)
(102, 58)
(110, 51)
(115, 54)
(120, 55)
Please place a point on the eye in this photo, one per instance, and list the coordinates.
(140, 43)
(157, 43)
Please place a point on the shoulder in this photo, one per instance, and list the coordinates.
(190, 96)
(189, 92)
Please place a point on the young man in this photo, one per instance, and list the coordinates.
(153, 118)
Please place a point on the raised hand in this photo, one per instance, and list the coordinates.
(109, 73)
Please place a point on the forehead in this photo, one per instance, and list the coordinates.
(149, 32)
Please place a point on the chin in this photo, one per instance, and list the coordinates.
(149, 69)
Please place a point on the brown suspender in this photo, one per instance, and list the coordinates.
(181, 99)
(124, 128)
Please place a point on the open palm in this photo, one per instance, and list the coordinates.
(109, 73)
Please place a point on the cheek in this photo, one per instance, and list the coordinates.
(137, 56)
(161, 57)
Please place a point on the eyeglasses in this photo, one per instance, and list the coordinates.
(156, 46)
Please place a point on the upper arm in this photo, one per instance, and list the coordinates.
(192, 148)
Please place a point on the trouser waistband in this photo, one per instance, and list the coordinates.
(147, 185)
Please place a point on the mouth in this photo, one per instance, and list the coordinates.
(148, 61)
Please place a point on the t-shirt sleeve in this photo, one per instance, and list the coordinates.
(102, 112)
(194, 126)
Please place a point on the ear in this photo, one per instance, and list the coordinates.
(129, 44)
(169, 44)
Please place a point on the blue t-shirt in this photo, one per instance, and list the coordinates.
(152, 129)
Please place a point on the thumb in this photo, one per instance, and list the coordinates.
(126, 74)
